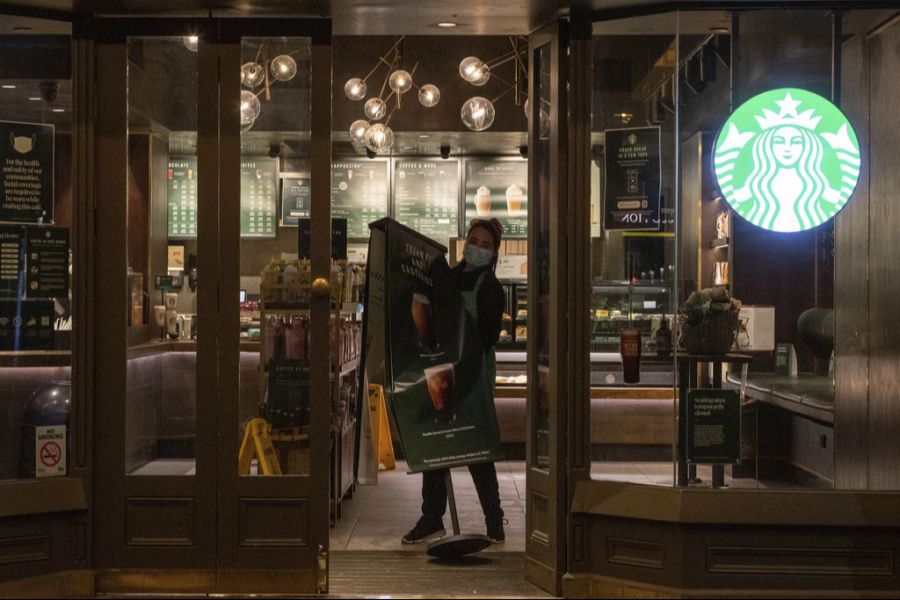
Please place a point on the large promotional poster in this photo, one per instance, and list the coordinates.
(436, 384)
(632, 179)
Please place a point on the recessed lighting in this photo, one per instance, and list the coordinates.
(720, 30)
(59, 110)
(8, 87)
(35, 98)
(424, 136)
(446, 24)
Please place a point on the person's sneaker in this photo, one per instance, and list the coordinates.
(495, 530)
(424, 530)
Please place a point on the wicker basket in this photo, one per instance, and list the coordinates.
(715, 334)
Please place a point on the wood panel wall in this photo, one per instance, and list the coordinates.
(866, 326)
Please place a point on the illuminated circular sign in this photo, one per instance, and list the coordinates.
(787, 160)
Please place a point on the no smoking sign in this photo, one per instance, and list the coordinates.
(50, 451)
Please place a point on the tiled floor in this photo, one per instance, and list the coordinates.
(662, 474)
(377, 516)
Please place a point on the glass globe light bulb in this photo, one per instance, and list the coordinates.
(469, 67)
(477, 113)
(400, 81)
(358, 130)
(283, 67)
(379, 138)
(246, 128)
(251, 75)
(474, 70)
(191, 42)
(250, 107)
(355, 88)
(375, 109)
(527, 107)
(429, 95)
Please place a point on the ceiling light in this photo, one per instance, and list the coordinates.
(59, 110)
(446, 24)
(191, 42)
(9, 87)
(477, 113)
(35, 98)
(429, 95)
(283, 67)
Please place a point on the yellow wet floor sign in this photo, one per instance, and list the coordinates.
(257, 443)
(381, 431)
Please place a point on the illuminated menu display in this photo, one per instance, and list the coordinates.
(258, 197)
(426, 197)
(181, 187)
(359, 193)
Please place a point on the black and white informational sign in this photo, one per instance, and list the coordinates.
(26, 172)
(632, 178)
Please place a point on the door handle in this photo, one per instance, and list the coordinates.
(321, 287)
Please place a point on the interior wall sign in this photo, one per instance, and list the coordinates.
(787, 160)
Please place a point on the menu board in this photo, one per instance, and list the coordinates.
(258, 196)
(426, 197)
(498, 189)
(26, 172)
(295, 199)
(181, 193)
(359, 193)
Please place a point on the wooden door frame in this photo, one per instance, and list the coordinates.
(201, 567)
(546, 508)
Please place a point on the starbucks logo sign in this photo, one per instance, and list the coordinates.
(787, 160)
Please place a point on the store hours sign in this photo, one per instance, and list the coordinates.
(787, 160)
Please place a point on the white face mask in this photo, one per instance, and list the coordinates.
(477, 257)
(22, 144)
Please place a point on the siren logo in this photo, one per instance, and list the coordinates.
(787, 160)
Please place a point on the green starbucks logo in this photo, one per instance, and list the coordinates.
(787, 160)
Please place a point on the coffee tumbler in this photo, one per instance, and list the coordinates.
(630, 348)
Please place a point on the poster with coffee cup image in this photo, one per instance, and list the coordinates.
(498, 189)
(435, 381)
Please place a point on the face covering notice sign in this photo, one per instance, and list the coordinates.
(26, 172)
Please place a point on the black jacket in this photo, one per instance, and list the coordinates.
(490, 300)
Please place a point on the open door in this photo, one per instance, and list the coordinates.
(546, 505)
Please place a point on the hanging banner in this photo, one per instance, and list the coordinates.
(437, 388)
(632, 178)
(26, 172)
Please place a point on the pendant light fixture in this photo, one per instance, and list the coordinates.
(478, 112)
(378, 137)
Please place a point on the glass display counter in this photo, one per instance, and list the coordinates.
(618, 305)
(514, 329)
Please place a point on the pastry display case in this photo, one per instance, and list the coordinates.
(618, 305)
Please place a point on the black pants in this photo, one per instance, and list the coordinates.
(434, 492)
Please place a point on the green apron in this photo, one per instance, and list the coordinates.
(470, 297)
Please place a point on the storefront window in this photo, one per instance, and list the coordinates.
(36, 219)
(634, 263)
(773, 204)
(161, 398)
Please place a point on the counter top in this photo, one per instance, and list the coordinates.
(35, 358)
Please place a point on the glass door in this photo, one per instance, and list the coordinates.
(214, 406)
(279, 304)
(546, 506)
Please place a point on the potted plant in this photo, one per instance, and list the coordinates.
(709, 321)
